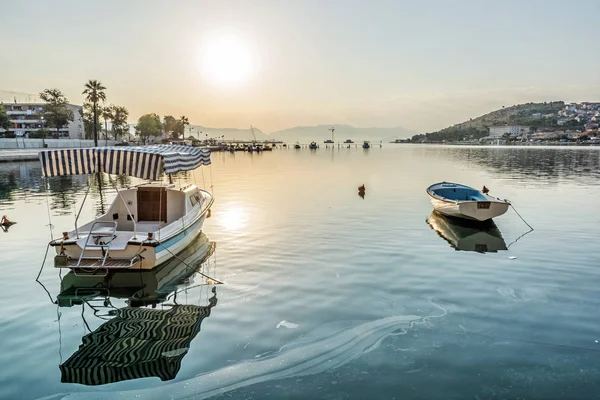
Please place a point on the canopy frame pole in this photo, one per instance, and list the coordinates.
(81, 208)
(127, 208)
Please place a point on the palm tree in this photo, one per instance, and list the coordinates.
(184, 121)
(107, 113)
(94, 92)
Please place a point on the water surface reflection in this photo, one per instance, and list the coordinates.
(136, 341)
(467, 235)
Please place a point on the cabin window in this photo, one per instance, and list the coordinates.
(152, 204)
(194, 199)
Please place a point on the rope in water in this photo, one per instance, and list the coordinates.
(189, 266)
(43, 263)
(522, 219)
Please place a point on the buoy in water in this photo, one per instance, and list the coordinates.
(6, 222)
(485, 190)
(361, 188)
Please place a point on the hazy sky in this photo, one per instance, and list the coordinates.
(420, 65)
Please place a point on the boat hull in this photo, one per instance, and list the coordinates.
(470, 209)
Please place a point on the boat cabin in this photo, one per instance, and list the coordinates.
(151, 207)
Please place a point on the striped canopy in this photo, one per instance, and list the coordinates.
(143, 162)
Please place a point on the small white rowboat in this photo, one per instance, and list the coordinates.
(460, 201)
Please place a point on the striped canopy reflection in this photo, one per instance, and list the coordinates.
(142, 162)
(137, 343)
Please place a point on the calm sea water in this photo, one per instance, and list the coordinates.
(329, 295)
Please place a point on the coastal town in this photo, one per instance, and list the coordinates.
(573, 123)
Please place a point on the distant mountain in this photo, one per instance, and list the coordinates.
(320, 133)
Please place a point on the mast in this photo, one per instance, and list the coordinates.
(332, 129)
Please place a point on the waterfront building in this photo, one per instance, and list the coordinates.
(27, 118)
(496, 132)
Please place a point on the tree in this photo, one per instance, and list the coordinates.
(94, 92)
(506, 136)
(148, 125)
(180, 127)
(87, 114)
(170, 124)
(5, 122)
(532, 129)
(119, 121)
(107, 113)
(55, 111)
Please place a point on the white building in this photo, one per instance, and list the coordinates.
(496, 132)
(27, 118)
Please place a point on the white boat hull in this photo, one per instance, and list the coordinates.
(470, 209)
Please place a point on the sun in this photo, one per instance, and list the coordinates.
(227, 58)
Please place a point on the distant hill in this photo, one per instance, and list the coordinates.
(320, 133)
(477, 128)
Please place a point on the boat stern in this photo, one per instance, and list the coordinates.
(483, 210)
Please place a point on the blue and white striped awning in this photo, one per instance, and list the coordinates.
(142, 162)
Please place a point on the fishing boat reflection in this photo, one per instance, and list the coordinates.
(137, 342)
(467, 235)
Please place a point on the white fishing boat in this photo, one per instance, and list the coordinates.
(467, 235)
(460, 201)
(146, 225)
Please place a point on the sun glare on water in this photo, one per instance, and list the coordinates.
(227, 58)
(232, 218)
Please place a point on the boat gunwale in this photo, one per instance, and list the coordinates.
(491, 199)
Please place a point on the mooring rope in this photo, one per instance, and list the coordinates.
(522, 219)
(189, 266)
(43, 263)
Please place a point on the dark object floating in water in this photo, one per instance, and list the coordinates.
(361, 191)
(6, 222)
(485, 190)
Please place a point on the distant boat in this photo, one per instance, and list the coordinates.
(313, 145)
(467, 235)
(297, 146)
(460, 201)
(348, 141)
(366, 145)
(328, 141)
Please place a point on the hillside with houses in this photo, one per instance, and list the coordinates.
(532, 121)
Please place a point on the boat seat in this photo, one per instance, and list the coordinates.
(102, 231)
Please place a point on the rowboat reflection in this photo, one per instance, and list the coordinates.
(467, 235)
(137, 342)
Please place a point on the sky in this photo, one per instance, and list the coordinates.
(276, 64)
